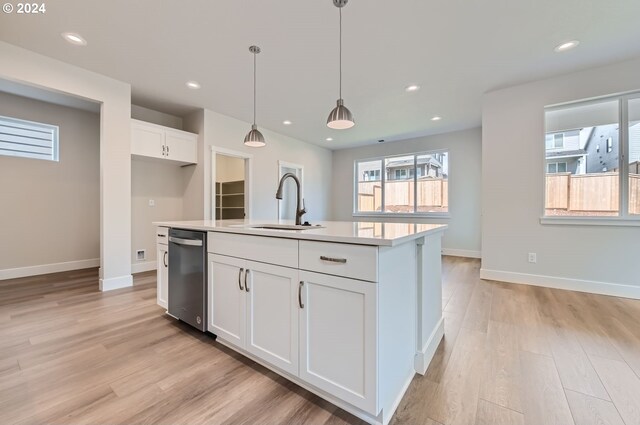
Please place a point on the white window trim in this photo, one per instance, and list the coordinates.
(624, 218)
(383, 179)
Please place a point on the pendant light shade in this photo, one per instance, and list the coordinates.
(340, 118)
(254, 138)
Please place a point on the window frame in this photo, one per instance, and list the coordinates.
(623, 218)
(383, 180)
(35, 126)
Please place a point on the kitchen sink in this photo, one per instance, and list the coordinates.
(279, 226)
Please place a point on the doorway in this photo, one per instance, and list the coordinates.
(231, 188)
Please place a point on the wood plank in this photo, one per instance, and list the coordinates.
(622, 385)
(589, 410)
(543, 398)
(502, 381)
(492, 414)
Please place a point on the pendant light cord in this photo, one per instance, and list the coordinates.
(340, 61)
(254, 89)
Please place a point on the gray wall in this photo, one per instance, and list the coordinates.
(50, 210)
(595, 258)
(463, 235)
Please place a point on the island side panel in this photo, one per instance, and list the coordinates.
(429, 300)
(397, 268)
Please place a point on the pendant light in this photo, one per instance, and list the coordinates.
(340, 117)
(254, 138)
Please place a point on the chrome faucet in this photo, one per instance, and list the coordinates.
(300, 210)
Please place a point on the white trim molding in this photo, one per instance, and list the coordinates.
(116, 283)
(425, 355)
(467, 253)
(48, 268)
(590, 286)
(144, 266)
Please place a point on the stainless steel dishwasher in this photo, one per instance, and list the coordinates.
(188, 277)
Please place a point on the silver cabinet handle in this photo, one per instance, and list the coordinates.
(333, 260)
(164, 259)
(162, 236)
(246, 284)
(189, 242)
(167, 150)
(163, 150)
(300, 294)
(240, 279)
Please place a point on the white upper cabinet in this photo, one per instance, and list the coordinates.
(155, 141)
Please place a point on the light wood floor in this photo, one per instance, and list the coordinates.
(512, 355)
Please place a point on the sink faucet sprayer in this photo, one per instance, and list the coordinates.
(300, 210)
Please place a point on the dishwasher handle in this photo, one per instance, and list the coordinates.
(182, 241)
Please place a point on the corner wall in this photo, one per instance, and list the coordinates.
(600, 259)
(462, 238)
(48, 204)
(30, 68)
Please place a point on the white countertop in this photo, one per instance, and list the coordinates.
(363, 233)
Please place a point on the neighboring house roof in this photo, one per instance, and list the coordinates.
(421, 160)
(565, 154)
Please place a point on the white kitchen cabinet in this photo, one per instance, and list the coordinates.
(272, 314)
(227, 299)
(162, 269)
(155, 141)
(254, 307)
(338, 343)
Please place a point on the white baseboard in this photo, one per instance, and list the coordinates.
(424, 356)
(144, 266)
(461, 253)
(594, 287)
(48, 268)
(116, 282)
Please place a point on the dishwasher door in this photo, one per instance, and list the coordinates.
(188, 277)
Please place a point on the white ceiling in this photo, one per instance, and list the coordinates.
(454, 49)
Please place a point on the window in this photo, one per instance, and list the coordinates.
(410, 184)
(557, 167)
(597, 172)
(28, 139)
(554, 141)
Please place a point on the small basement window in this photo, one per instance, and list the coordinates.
(28, 139)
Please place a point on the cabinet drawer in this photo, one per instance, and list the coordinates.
(355, 261)
(283, 252)
(162, 235)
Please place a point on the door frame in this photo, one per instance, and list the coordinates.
(248, 173)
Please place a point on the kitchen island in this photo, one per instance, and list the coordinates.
(348, 310)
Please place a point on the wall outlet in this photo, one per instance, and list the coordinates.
(532, 257)
(141, 254)
(152, 203)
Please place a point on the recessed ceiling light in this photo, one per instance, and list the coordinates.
(328, 139)
(411, 88)
(194, 85)
(566, 46)
(74, 38)
(436, 118)
(287, 122)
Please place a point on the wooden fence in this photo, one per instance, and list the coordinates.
(399, 195)
(589, 193)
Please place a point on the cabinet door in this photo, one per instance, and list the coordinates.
(162, 257)
(181, 147)
(338, 342)
(147, 140)
(272, 314)
(226, 303)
